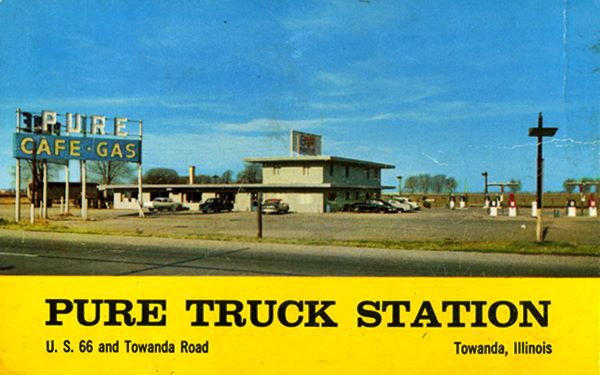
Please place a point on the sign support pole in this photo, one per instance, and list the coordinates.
(18, 177)
(84, 215)
(45, 192)
(67, 177)
(66, 211)
(139, 177)
(33, 185)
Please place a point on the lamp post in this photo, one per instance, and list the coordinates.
(485, 187)
(399, 185)
(540, 132)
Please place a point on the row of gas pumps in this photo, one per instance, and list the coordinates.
(495, 207)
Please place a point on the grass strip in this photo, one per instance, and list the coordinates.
(513, 247)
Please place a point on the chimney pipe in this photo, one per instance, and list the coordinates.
(192, 174)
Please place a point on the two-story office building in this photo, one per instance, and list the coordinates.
(307, 183)
(320, 183)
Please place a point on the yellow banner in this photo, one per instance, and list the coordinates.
(248, 325)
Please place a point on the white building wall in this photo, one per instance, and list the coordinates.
(289, 174)
(243, 202)
(120, 201)
(300, 202)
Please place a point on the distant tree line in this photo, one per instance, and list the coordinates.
(252, 173)
(425, 183)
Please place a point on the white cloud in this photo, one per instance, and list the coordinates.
(347, 17)
(337, 79)
(117, 101)
(333, 106)
(213, 152)
(270, 126)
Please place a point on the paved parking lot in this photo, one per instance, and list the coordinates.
(435, 224)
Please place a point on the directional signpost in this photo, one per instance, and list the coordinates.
(540, 132)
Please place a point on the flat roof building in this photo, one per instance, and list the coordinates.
(324, 183)
(306, 183)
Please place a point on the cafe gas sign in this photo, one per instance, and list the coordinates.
(81, 137)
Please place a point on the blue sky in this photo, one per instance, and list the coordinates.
(446, 87)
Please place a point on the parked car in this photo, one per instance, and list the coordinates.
(404, 200)
(400, 205)
(161, 204)
(373, 205)
(275, 206)
(215, 205)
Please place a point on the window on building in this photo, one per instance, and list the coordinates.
(331, 196)
(367, 196)
(357, 195)
(376, 173)
(368, 172)
(331, 170)
(276, 170)
(347, 171)
(347, 195)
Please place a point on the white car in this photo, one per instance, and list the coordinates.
(401, 206)
(163, 204)
(407, 201)
(275, 206)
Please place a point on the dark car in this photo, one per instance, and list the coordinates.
(215, 205)
(373, 205)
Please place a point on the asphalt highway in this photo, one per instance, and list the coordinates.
(37, 253)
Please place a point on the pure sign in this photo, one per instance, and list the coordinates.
(43, 141)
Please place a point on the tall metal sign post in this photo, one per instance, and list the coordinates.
(540, 132)
(41, 137)
(139, 175)
(485, 184)
(18, 175)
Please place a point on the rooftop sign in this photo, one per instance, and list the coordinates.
(305, 143)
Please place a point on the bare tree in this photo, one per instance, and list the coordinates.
(226, 177)
(410, 184)
(251, 173)
(438, 183)
(108, 172)
(450, 184)
(161, 176)
(30, 168)
(516, 187)
(424, 183)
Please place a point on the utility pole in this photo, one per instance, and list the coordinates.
(540, 132)
(259, 215)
